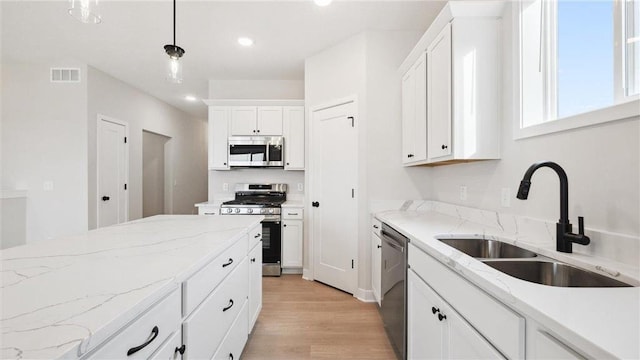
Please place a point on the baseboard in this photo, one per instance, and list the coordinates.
(289, 271)
(306, 274)
(364, 295)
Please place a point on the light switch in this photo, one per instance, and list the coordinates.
(300, 187)
(47, 185)
(463, 193)
(225, 187)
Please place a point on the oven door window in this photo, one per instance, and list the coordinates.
(271, 242)
(247, 154)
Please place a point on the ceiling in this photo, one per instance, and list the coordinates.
(128, 44)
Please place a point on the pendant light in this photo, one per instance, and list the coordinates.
(85, 10)
(174, 66)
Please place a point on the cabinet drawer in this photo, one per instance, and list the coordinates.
(205, 328)
(497, 323)
(169, 350)
(236, 338)
(196, 288)
(208, 210)
(255, 235)
(163, 316)
(293, 213)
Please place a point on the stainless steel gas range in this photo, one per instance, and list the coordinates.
(262, 199)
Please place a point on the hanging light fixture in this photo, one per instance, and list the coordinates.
(85, 11)
(174, 66)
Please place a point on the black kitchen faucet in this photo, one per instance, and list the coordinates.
(564, 237)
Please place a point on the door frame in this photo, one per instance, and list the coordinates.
(310, 273)
(100, 118)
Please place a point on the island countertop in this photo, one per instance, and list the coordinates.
(603, 322)
(61, 298)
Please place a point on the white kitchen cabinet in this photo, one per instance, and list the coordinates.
(293, 132)
(256, 120)
(436, 331)
(255, 284)
(171, 348)
(439, 100)
(376, 260)
(218, 137)
(414, 112)
(292, 236)
(463, 61)
(548, 347)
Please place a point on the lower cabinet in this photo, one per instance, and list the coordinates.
(172, 349)
(233, 343)
(376, 261)
(548, 347)
(436, 331)
(255, 284)
(292, 235)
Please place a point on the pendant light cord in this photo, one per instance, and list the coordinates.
(174, 22)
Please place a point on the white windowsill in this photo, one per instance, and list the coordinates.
(616, 112)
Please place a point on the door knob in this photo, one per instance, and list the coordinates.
(105, 198)
(315, 204)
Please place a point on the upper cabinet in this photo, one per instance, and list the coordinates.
(460, 55)
(256, 120)
(284, 118)
(414, 112)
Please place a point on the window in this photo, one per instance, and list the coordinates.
(579, 63)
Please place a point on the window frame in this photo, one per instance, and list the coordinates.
(625, 107)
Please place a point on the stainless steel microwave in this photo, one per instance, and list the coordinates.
(256, 151)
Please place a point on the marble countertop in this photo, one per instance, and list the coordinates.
(293, 203)
(602, 322)
(61, 298)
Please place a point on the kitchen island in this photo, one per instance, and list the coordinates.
(66, 297)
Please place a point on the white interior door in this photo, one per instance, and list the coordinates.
(112, 172)
(333, 180)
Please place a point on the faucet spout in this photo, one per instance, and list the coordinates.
(564, 236)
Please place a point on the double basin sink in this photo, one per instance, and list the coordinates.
(528, 265)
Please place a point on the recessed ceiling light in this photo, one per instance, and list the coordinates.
(190, 98)
(322, 2)
(245, 41)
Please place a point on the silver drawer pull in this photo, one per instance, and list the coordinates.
(294, 214)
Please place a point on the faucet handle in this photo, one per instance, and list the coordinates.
(581, 225)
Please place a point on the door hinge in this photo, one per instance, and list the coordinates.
(352, 263)
(125, 186)
(353, 193)
(125, 139)
(352, 120)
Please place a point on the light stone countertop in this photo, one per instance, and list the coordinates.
(61, 298)
(602, 322)
(293, 203)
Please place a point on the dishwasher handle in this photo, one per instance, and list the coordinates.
(392, 242)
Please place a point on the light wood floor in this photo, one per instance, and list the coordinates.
(303, 319)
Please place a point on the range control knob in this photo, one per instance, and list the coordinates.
(262, 211)
(229, 211)
(270, 211)
(237, 211)
(249, 211)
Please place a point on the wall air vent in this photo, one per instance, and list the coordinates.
(65, 75)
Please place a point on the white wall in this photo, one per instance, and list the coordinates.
(44, 140)
(602, 163)
(188, 151)
(153, 173)
(366, 66)
(254, 89)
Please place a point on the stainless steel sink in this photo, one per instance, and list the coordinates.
(553, 274)
(488, 249)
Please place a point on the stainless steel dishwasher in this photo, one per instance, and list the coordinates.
(394, 291)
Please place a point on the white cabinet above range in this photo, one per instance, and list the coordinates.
(256, 118)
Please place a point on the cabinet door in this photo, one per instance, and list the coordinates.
(408, 116)
(293, 123)
(218, 137)
(376, 259)
(269, 120)
(243, 120)
(292, 243)
(439, 99)
(255, 284)
(548, 347)
(464, 342)
(420, 120)
(425, 335)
